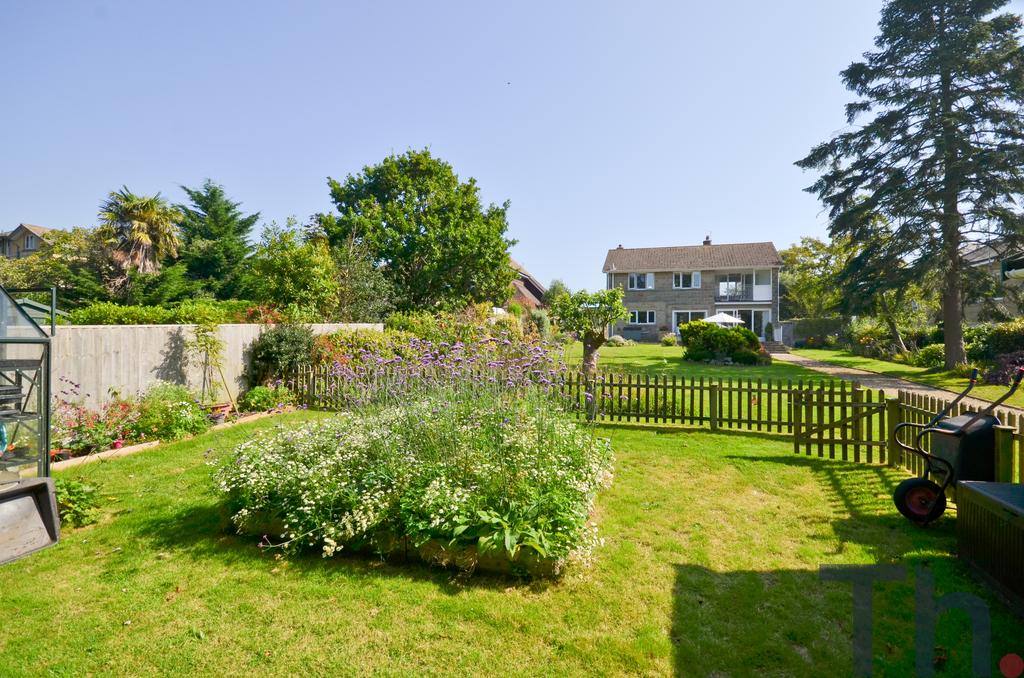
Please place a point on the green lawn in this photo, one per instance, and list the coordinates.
(709, 567)
(922, 375)
(668, 360)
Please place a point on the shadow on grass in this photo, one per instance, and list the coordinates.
(684, 429)
(792, 623)
(204, 532)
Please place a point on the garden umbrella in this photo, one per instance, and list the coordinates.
(724, 319)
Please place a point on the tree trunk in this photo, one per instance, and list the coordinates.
(590, 345)
(952, 289)
(895, 331)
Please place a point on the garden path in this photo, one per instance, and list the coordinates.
(875, 381)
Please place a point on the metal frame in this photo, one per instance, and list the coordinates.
(43, 383)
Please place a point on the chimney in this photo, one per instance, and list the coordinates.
(707, 240)
(619, 247)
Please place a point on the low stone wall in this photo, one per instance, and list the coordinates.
(126, 359)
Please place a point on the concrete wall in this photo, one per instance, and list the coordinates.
(128, 358)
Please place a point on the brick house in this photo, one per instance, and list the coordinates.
(668, 286)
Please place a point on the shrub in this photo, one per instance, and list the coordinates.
(78, 430)
(265, 398)
(347, 347)
(617, 340)
(1005, 367)
(77, 502)
(965, 370)
(697, 354)
(769, 332)
(745, 356)
(537, 323)
(669, 339)
(704, 338)
(278, 352)
(187, 312)
(168, 412)
(480, 467)
(933, 355)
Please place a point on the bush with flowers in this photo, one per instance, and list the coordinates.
(461, 450)
(462, 472)
(163, 412)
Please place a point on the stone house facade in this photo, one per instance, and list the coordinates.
(668, 286)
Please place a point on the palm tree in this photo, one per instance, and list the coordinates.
(142, 229)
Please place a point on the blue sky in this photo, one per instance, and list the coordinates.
(637, 123)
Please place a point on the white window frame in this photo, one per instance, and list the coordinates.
(634, 277)
(634, 317)
(688, 311)
(695, 280)
(31, 242)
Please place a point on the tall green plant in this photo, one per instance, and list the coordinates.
(940, 155)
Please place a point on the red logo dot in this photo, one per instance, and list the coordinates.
(1011, 666)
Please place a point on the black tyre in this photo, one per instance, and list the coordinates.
(919, 500)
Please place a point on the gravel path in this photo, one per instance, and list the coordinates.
(873, 380)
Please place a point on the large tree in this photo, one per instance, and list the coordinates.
(808, 278)
(142, 230)
(941, 156)
(215, 238)
(426, 230)
(295, 273)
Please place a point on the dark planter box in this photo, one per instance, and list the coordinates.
(990, 533)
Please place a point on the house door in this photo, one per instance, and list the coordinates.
(760, 319)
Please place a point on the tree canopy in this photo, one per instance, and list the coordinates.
(587, 315)
(941, 156)
(215, 238)
(426, 230)
(142, 230)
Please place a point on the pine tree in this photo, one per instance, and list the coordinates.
(215, 238)
(942, 158)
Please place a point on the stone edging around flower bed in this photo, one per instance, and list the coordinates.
(139, 447)
(437, 552)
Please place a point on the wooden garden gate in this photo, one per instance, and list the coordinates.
(848, 422)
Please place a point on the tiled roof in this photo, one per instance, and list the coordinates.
(38, 230)
(691, 257)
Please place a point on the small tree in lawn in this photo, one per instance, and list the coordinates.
(587, 314)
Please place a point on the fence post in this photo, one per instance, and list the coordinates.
(796, 412)
(713, 403)
(1004, 454)
(892, 419)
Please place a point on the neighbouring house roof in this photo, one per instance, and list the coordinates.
(526, 289)
(40, 231)
(979, 254)
(691, 257)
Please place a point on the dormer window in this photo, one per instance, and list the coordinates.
(641, 281)
(686, 281)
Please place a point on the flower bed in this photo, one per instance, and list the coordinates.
(473, 475)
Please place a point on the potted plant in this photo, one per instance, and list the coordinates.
(208, 350)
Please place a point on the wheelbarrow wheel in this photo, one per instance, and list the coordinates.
(920, 500)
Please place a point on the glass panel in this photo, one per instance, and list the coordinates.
(762, 277)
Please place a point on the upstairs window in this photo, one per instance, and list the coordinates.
(641, 281)
(686, 281)
(31, 242)
(641, 318)
(762, 277)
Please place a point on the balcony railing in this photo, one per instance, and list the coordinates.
(741, 293)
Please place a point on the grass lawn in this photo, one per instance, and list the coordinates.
(923, 375)
(710, 567)
(655, 359)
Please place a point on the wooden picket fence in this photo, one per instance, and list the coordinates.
(828, 419)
